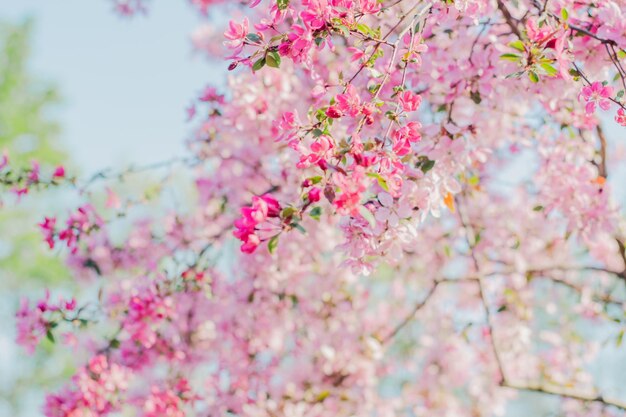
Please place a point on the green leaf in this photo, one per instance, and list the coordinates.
(381, 180)
(322, 396)
(519, 45)
(537, 208)
(373, 89)
(300, 228)
(253, 37)
(317, 133)
(50, 336)
(549, 69)
(427, 165)
(316, 179)
(288, 212)
(344, 30)
(363, 28)
(515, 75)
(272, 59)
(282, 4)
(510, 57)
(564, 14)
(620, 94)
(316, 212)
(532, 75)
(475, 96)
(259, 64)
(272, 244)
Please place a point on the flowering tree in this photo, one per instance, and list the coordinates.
(391, 261)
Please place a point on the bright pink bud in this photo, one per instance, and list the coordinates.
(314, 194)
(333, 112)
(59, 172)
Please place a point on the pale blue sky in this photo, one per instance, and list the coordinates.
(125, 82)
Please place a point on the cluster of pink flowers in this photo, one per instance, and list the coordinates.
(97, 393)
(81, 222)
(263, 208)
(167, 402)
(145, 311)
(20, 180)
(36, 322)
(319, 18)
(380, 142)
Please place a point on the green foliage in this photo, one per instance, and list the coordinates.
(25, 128)
(27, 133)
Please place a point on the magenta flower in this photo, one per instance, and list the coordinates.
(315, 194)
(262, 208)
(59, 172)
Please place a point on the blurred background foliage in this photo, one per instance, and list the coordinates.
(28, 132)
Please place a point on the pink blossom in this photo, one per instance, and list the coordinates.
(320, 150)
(317, 14)
(31, 326)
(349, 102)
(210, 94)
(598, 94)
(163, 403)
(236, 35)
(536, 34)
(357, 53)
(263, 208)
(370, 6)
(48, 229)
(410, 101)
(59, 172)
(113, 200)
(404, 136)
(33, 176)
(299, 42)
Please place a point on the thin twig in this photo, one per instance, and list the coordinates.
(562, 392)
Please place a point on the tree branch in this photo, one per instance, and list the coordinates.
(510, 20)
(481, 291)
(412, 314)
(564, 393)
